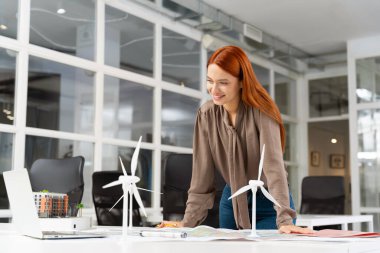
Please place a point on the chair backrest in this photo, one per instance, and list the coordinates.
(178, 171)
(322, 195)
(4, 202)
(61, 176)
(104, 199)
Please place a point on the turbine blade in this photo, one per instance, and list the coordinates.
(114, 183)
(122, 167)
(261, 162)
(116, 203)
(135, 157)
(138, 199)
(146, 190)
(266, 194)
(240, 191)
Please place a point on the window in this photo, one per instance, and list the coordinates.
(368, 156)
(65, 26)
(128, 42)
(328, 97)
(368, 80)
(9, 18)
(60, 97)
(7, 81)
(290, 142)
(262, 74)
(180, 60)
(178, 118)
(6, 150)
(285, 94)
(128, 110)
(111, 154)
(42, 147)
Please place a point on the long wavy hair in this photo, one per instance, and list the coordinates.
(233, 60)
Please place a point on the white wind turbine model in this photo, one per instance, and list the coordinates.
(253, 184)
(129, 186)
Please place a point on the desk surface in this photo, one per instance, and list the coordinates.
(311, 220)
(10, 241)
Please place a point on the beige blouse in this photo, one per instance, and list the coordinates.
(235, 152)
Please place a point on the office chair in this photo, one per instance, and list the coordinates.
(323, 195)
(61, 176)
(4, 203)
(178, 170)
(104, 199)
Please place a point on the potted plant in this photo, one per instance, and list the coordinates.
(80, 207)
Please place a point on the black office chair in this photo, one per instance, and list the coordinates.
(4, 203)
(104, 199)
(323, 195)
(61, 176)
(178, 170)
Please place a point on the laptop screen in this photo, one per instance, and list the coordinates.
(24, 213)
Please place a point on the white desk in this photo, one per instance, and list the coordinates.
(311, 221)
(11, 242)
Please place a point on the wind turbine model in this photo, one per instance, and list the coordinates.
(253, 184)
(129, 186)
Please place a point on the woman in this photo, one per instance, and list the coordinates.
(229, 134)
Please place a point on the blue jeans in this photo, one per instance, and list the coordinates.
(265, 213)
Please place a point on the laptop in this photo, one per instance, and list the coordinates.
(24, 213)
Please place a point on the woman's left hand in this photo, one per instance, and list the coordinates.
(287, 229)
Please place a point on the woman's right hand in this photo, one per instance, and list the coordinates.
(170, 224)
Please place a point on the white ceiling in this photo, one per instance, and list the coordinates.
(315, 26)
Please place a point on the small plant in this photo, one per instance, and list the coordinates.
(80, 207)
(45, 191)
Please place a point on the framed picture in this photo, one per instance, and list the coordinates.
(336, 161)
(315, 158)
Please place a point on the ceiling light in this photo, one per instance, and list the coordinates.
(333, 140)
(3, 27)
(61, 11)
(7, 111)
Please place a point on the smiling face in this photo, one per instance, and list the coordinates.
(223, 87)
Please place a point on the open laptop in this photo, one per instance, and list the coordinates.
(24, 213)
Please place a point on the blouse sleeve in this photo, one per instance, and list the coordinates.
(202, 190)
(274, 168)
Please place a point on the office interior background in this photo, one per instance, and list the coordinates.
(88, 77)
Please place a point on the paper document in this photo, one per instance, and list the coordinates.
(332, 233)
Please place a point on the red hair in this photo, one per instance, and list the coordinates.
(233, 60)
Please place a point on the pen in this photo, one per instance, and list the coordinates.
(163, 234)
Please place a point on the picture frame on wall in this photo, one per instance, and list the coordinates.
(315, 158)
(336, 161)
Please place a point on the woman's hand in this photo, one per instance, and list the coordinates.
(287, 229)
(170, 224)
